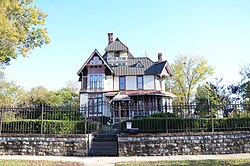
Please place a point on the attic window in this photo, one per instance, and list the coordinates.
(139, 65)
(117, 53)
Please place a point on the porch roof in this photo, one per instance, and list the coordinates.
(121, 96)
(141, 93)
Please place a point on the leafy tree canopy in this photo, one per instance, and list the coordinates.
(10, 93)
(189, 71)
(21, 29)
(244, 87)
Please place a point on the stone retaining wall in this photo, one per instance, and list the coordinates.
(183, 144)
(54, 145)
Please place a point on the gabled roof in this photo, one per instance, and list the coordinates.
(95, 52)
(158, 68)
(148, 67)
(116, 45)
(120, 96)
(131, 69)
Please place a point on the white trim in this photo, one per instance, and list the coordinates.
(87, 61)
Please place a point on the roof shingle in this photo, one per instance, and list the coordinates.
(117, 45)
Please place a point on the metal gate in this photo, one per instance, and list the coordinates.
(101, 128)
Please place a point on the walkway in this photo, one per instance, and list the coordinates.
(110, 161)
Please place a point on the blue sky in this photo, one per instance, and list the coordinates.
(217, 30)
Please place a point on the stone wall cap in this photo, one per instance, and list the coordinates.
(46, 135)
(183, 134)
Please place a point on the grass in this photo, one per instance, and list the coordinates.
(38, 163)
(233, 162)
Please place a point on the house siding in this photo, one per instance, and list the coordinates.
(163, 85)
(116, 83)
(157, 84)
(108, 83)
(148, 82)
(96, 70)
(131, 83)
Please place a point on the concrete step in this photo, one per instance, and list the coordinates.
(104, 145)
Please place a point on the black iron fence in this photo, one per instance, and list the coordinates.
(42, 120)
(126, 117)
(190, 118)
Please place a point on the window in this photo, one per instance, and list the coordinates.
(139, 65)
(122, 83)
(100, 81)
(95, 101)
(91, 83)
(95, 82)
(139, 82)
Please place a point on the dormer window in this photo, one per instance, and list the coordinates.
(139, 65)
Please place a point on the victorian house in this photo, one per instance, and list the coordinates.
(119, 77)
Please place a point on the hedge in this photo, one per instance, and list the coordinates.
(49, 127)
(178, 125)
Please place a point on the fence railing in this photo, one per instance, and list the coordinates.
(42, 120)
(192, 118)
(146, 118)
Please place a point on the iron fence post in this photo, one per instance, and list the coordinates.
(119, 112)
(166, 116)
(1, 120)
(85, 118)
(42, 119)
(212, 118)
(85, 127)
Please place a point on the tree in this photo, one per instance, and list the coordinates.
(38, 96)
(217, 94)
(20, 29)
(189, 71)
(67, 97)
(10, 93)
(42, 96)
(244, 88)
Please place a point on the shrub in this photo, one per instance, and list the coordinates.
(49, 127)
(177, 125)
(63, 115)
(163, 115)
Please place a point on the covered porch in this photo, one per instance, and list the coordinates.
(135, 104)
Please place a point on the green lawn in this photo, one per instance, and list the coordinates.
(38, 163)
(238, 162)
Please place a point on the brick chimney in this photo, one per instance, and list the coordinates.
(110, 38)
(159, 57)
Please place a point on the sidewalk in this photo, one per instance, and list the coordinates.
(110, 161)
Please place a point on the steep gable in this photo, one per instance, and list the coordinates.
(94, 59)
(162, 69)
(117, 45)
